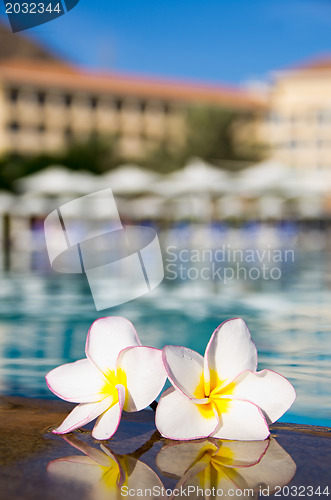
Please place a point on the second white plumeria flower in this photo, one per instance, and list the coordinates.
(221, 395)
(118, 374)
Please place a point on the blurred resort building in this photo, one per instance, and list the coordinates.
(298, 126)
(46, 104)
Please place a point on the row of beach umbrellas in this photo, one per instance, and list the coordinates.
(197, 176)
(198, 188)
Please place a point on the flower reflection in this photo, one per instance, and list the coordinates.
(106, 474)
(227, 468)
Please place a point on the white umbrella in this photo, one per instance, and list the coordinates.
(56, 181)
(195, 178)
(128, 179)
(51, 180)
(7, 201)
(83, 182)
(32, 205)
(307, 183)
(310, 188)
(267, 176)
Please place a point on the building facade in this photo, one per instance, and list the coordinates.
(298, 125)
(45, 104)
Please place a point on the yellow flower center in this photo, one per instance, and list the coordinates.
(112, 379)
(111, 476)
(219, 467)
(218, 395)
(218, 462)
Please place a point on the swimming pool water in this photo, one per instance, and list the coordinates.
(44, 320)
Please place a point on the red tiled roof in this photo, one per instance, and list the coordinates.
(60, 75)
(317, 63)
(22, 46)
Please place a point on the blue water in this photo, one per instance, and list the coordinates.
(44, 320)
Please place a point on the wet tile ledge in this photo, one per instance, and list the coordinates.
(28, 447)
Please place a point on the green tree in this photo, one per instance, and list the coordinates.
(98, 154)
(212, 135)
(164, 158)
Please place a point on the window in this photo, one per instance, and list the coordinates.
(13, 95)
(274, 117)
(68, 100)
(142, 106)
(93, 102)
(68, 133)
(118, 104)
(320, 116)
(41, 128)
(41, 97)
(14, 126)
(323, 116)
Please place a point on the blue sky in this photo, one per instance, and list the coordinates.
(228, 41)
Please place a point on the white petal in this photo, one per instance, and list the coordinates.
(75, 459)
(208, 479)
(139, 477)
(145, 376)
(276, 468)
(108, 422)
(242, 421)
(176, 459)
(81, 470)
(238, 454)
(178, 418)
(78, 382)
(229, 352)
(82, 415)
(95, 454)
(269, 390)
(106, 338)
(185, 370)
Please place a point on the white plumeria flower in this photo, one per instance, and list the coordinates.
(105, 473)
(221, 395)
(227, 466)
(119, 373)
